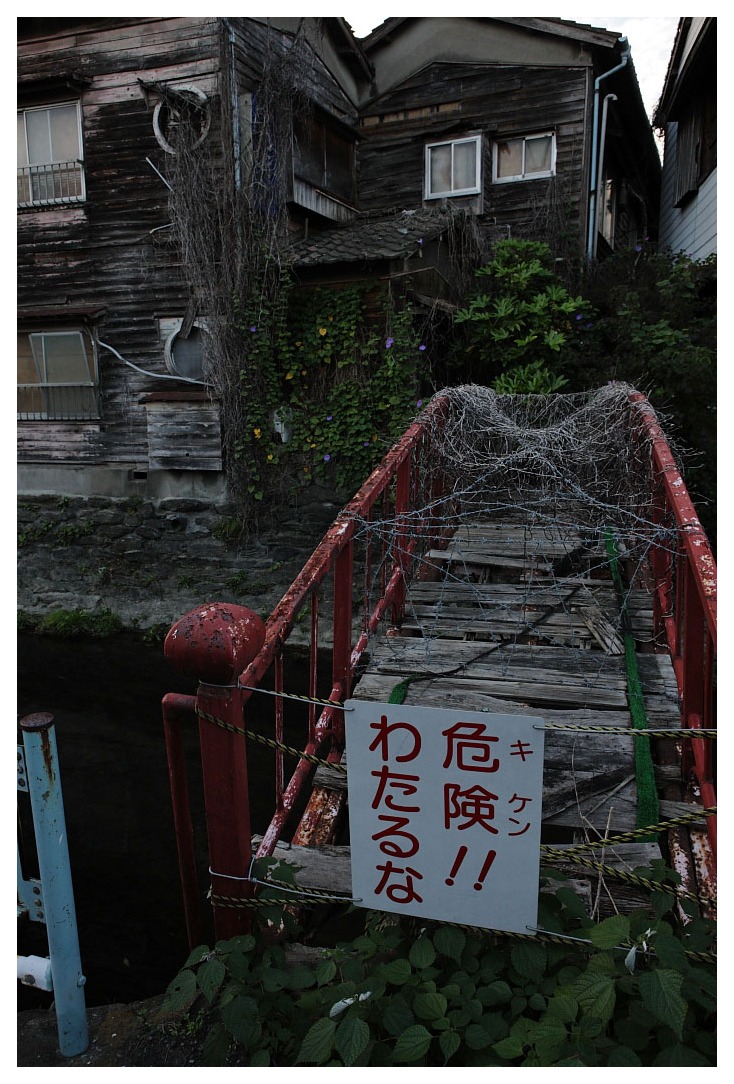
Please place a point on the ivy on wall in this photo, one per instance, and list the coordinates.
(342, 370)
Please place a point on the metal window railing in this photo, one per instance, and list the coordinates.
(53, 183)
(58, 402)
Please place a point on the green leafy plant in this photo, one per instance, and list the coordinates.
(341, 385)
(521, 313)
(531, 379)
(630, 990)
(71, 624)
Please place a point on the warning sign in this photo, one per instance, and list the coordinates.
(445, 813)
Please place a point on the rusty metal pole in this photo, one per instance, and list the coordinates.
(215, 643)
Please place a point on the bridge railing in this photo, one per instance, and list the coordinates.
(353, 583)
(684, 604)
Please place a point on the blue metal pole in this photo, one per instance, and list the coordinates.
(44, 788)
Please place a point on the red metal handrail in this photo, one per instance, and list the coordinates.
(387, 555)
(684, 575)
(378, 519)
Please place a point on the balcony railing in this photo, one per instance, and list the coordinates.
(57, 182)
(58, 402)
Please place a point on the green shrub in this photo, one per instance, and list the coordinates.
(631, 990)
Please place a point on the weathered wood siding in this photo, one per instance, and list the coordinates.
(102, 253)
(113, 251)
(445, 101)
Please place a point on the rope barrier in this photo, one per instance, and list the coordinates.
(641, 833)
(622, 875)
(270, 742)
(541, 935)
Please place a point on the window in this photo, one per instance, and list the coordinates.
(57, 376)
(50, 167)
(324, 157)
(696, 146)
(453, 168)
(524, 158)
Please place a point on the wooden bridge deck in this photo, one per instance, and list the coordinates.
(525, 620)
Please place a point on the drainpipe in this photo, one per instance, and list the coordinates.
(600, 170)
(594, 147)
(235, 106)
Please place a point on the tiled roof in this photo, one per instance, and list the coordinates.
(370, 238)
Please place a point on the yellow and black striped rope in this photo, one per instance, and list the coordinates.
(638, 833)
(550, 938)
(257, 901)
(553, 856)
(270, 742)
(632, 732)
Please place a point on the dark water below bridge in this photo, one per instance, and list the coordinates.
(105, 697)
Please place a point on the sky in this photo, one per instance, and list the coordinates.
(651, 40)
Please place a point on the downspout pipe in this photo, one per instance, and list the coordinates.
(235, 107)
(602, 139)
(594, 183)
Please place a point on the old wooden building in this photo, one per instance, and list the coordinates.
(525, 127)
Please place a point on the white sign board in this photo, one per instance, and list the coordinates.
(445, 812)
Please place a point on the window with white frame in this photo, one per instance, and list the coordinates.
(57, 376)
(453, 168)
(50, 166)
(523, 158)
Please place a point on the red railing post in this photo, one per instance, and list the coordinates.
(341, 675)
(402, 507)
(177, 711)
(215, 643)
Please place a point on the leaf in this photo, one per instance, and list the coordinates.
(623, 1055)
(529, 960)
(449, 1042)
(610, 932)
(216, 1046)
(300, 978)
(660, 992)
(413, 1044)
(547, 1033)
(318, 1042)
(397, 1016)
(596, 994)
(181, 992)
(430, 1006)
(210, 977)
(680, 1055)
(563, 1007)
(325, 972)
(260, 1059)
(509, 1048)
(450, 942)
(274, 979)
(476, 1037)
(240, 1018)
(396, 972)
(497, 993)
(422, 953)
(351, 1039)
(197, 955)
